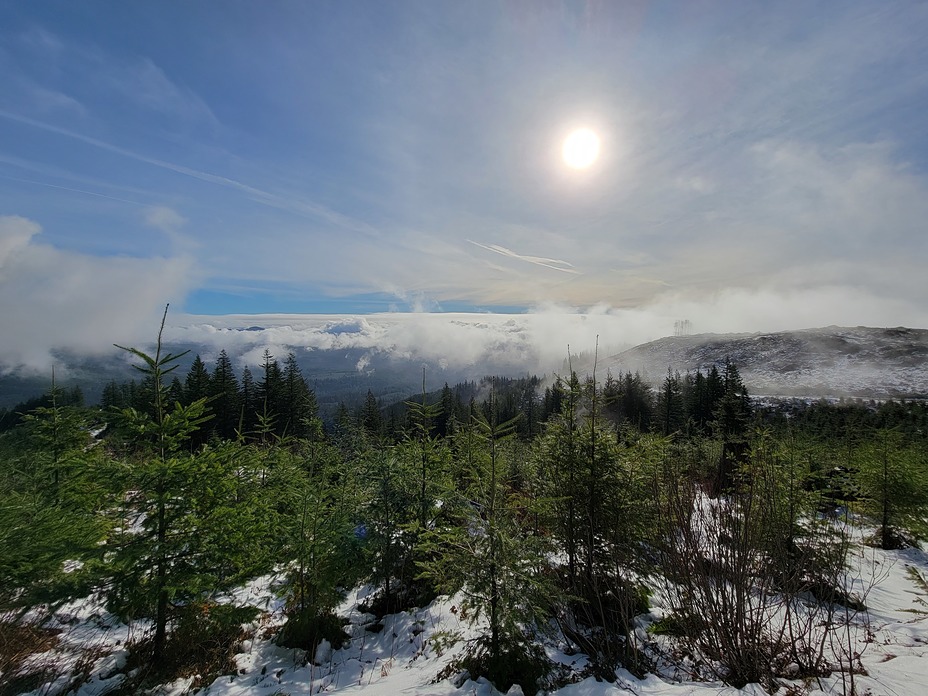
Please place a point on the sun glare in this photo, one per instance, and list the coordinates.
(581, 148)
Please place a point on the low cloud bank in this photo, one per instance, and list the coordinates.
(55, 300)
(538, 341)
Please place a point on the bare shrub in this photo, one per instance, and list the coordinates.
(757, 580)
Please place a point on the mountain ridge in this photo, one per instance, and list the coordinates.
(838, 361)
(831, 361)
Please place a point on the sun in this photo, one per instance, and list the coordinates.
(581, 148)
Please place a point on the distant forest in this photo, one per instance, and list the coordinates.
(280, 399)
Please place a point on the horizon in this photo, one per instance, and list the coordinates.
(745, 168)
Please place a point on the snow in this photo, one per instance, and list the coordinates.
(813, 363)
(406, 655)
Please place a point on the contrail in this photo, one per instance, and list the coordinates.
(553, 264)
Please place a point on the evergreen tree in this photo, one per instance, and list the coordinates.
(488, 553)
(893, 476)
(249, 403)
(270, 394)
(196, 384)
(298, 407)
(195, 532)
(318, 536)
(560, 456)
(112, 396)
(371, 418)
(391, 534)
(51, 491)
(551, 405)
(669, 408)
(428, 451)
(445, 417)
(225, 398)
(529, 408)
(733, 408)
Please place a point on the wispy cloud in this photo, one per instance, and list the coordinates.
(143, 82)
(302, 207)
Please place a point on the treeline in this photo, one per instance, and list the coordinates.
(693, 403)
(561, 509)
(279, 402)
(11, 417)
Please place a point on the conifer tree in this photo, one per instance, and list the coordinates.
(249, 403)
(733, 407)
(669, 406)
(199, 528)
(445, 416)
(317, 500)
(50, 495)
(421, 416)
(371, 418)
(298, 407)
(391, 504)
(196, 384)
(196, 387)
(225, 398)
(487, 553)
(270, 394)
(176, 392)
(893, 475)
(560, 456)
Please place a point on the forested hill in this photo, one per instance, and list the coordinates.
(832, 361)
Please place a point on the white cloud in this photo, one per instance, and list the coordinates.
(538, 341)
(15, 233)
(164, 218)
(171, 223)
(52, 299)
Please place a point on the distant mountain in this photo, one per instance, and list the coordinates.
(348, 358)
(833, 361)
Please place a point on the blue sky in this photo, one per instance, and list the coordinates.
(355, 157)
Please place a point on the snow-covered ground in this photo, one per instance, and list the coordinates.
(404, 653)
(832, 361)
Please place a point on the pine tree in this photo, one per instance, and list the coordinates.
(444, 419)
(319, 539)
(176, 392)
(670, 404)
(893, 475)
(371, 418)
(51, 491)
(249, 403)
(181, 502)
(422, 416)
(196, 384)
(298, 407)
(560, 455)
(270, 394)
(225, 398)
(488, 553)
(196, 387)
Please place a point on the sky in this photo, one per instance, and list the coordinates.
(763, 166)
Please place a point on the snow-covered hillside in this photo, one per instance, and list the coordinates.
(410, 652)
(833, 361)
